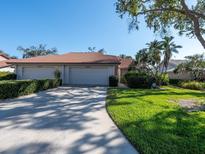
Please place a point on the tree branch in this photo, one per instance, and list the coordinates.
(199, 15)
(162, 9)
(195, 20)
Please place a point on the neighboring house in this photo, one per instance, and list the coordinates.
(124, 66)
(173, 64)
(181, 75)
(4, 67)
(77, 68)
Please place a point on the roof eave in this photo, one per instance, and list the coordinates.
(14, 63)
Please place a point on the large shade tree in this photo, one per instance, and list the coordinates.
(35, 51)
(160, 15)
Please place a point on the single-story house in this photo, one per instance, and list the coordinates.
(76, 68)
(181, 75)
(124, 66)
(5, 67)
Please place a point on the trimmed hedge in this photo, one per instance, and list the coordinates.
(113, 81)
(11, 89)
(7, 76)
(195, 85)
(175, 81)
(144, 80)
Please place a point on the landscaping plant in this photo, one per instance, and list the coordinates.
(7, 76)
(10, 89)
(113, 81)
(195, 85)
(155, 123)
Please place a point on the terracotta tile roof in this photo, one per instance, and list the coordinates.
(71, 58)
(125, 63)
(3, 55)
(4, 64)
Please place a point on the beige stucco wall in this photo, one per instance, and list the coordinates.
(123, 72)
(7, 69)
(182, 76)
(63, 67)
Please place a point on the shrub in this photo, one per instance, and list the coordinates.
(7, 76)
(10, 89)
(195, 85)
(57, 74)
(113, 81)
(175, 81)
(139, 80)
(165, 79)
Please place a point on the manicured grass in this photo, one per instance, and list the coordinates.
(154, 123)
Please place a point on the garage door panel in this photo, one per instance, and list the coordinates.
(38, 73)
(89, 76)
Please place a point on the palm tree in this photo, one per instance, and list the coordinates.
(168, 47)
(142, 56)
(155, 53)
(91, 49)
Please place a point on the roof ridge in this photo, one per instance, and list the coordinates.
(79, 57)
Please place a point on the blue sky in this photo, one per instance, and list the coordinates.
(74, 25)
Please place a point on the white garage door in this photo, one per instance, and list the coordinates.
(89, 76)
(38, 73)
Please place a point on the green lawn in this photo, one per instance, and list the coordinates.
(154, 123)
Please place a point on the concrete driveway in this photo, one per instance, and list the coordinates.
(66, 120)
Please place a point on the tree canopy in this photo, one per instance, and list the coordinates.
(156, 57)
(6, 54)
(168, 48)
(160, 15)
(94, 49)
(123, 56)
(35, 51)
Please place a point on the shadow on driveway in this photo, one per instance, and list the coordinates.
(68, 120)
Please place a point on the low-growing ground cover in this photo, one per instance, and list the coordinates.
(155, 122)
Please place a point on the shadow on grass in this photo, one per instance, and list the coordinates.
(130, 93)
(169, 130)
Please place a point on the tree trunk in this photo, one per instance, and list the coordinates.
(197, 32)
(195, 19)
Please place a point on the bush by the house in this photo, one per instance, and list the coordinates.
(195, 85)
(10, 89)
(175, 81)
(7, 76)
(113, 81)
(139, 80)
(57, 74)
(164, 79)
